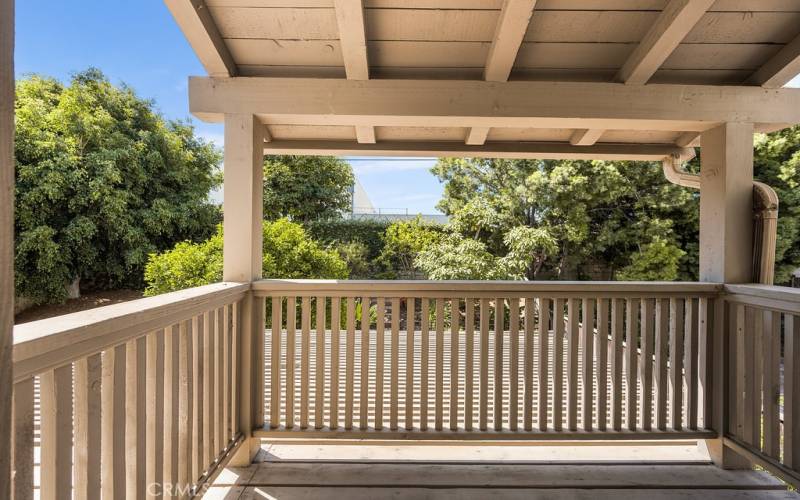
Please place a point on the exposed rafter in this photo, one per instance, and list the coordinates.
(672, 25)
(198, 27)
(585, 137)
(515, 16)
(781, 69)
(477, 136)
(352, 37)
(365, 135)
(440, 103)
(541, 150)
(509, 33)
(688, 139)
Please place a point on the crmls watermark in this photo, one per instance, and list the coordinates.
(175, 490)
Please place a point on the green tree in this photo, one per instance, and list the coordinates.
(102, 181)
(563, 219)
(306, 188)
(403, 241)
(288, 253)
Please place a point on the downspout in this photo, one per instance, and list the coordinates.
(765, 215)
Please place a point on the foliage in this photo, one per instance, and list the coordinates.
(658, 261)
(403, 241)
(102, 181)
(777, 163)
(560, 218)
(345, 234)
(288, 253)
(306, 188)
(455, 257)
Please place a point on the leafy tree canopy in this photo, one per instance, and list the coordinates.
(306, 188)
(403, 241)
(562, 219)
(102, 181)
(288, 253)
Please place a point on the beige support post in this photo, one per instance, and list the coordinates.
(726, 246)
(6, 237)
(242, 261)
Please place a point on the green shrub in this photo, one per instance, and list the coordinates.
(288, 253)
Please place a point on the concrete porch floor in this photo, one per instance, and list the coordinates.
(292, 470)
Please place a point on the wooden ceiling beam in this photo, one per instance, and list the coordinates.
(515, 16)
(673, 24)
(194, 19)
(781, 68)
(352, 37)
(585, 137)
(521, 150)
(688, 139)
(365, 135)
(444, 103)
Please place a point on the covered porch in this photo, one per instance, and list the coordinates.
(260, 388)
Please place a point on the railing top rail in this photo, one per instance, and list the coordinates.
(48, 343)
(475, 288)
(777, 298)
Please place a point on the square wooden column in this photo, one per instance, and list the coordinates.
(726, 253)
(242, 262)
(6, 237)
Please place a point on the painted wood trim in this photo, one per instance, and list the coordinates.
(352, 36)
(673, 24)
(781, 68)
(194, 19)
(515, 16)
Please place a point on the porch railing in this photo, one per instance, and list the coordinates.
(142, 399)
(135, 400)
(761, 340)
(487, 360)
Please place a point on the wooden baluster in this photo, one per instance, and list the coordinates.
(690, 362)
(410, 333)
(662, 322)
(469, 362)
(291, 345)
(305, 348)
(226, 374)
(364, 377)
(739, 380)
(791, 409)
(349, 363)
(154, 434)
(275, 365)
(424, 350)
(184, 360)
(527, 369)
(772, 382)
(483, 410)
(676, 340)
(439, 362)
(454, 347)
(558, 364)
(572, 364)
(135, 458)
(319, 372)
(56, 433)
(705, 396)
(617, 395)
(219, 424)
(544, 334)
(513, 335)
(394, 370)
(235, 322)
(587, 381)
(646, 365)
(87, 426)
(209, 324)
(499, 331)
(380, 344)
(23, 445)
(601, 352)
(112, 438)
(196, 442)
(757, 362)
(631, 361)
(744, 373)
(335, 326)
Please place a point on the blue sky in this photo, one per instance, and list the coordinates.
(137, 42)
